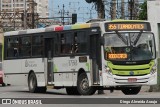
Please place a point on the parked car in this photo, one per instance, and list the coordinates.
(1, 75)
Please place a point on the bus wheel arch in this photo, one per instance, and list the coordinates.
(81, 70)
(83, 84)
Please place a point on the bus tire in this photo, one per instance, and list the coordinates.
(32, 83)
(72, 91)
(83, 85)
(131, 90)
(3, 84)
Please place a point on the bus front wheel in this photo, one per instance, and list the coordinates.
(83, 85)
(131, 90)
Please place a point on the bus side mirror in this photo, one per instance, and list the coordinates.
(150, 43)
(102, 40)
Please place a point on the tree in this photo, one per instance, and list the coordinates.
(99, 7)
(143, 12)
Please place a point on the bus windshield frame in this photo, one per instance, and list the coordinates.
(129, 46)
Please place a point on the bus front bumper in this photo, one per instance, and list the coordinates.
(114, 80)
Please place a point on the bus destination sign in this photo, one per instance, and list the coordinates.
(123, 26)
(117, 56)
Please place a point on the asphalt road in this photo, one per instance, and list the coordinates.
(22, 92)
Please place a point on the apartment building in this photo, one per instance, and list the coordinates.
(19, 5)
(42, 8)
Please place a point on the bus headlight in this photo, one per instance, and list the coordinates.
(108, 70)
(154, 69)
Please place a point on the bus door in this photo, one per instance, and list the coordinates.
(49, 44)
(95, 55)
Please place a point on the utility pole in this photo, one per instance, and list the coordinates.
(99, 6)
(113, 9)
(62, 12)
(14, 11)
(122, 9)
(25, 15)
(100, 9)
(33, 21)
(131, 8)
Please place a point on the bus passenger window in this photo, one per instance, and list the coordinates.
(12, 47)
(81, 42)
(66, 43)
(37, 45)
(26, 46)
(62, 44)
(75, 45)
(16, 53)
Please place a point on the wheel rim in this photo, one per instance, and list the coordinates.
(84, 84)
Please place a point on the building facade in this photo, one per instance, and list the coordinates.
(19, 5)
(153, 7)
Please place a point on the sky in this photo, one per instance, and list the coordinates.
(84, 10)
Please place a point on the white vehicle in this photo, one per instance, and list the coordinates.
(82, 58)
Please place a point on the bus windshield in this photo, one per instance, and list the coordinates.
(129, 46)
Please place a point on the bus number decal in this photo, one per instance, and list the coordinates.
(72, 62)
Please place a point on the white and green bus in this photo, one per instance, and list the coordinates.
(82, 58)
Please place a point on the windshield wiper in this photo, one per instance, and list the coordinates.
(139, 35)
(120, 36)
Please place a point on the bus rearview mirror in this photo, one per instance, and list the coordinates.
(150, 43)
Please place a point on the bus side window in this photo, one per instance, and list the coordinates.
(81, 42)
(12, 47)
(26, 46)
(75, 45)
(66, 43)
(62, 44)
(56, 45)
(37, 45)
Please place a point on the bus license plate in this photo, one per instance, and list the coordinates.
(132, 79)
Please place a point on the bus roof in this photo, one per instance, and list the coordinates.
(65, 27)
(122, 20)
(52, 28)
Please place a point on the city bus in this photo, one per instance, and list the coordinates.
(82, 58)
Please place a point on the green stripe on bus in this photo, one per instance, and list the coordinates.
(88, 66)
(126, 69)
(55, 68)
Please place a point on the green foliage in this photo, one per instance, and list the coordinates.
(143, 12)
